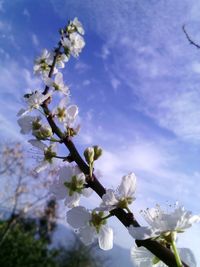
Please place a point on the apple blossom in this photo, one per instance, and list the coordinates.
(60, 61)
(58, 83)
(74, 43)
(43, 63)
(162, 224)
(26, 123)
(91, 225)
(78, 25)
(34, 100)
(70, 186)
(122, 197)
(66, 113)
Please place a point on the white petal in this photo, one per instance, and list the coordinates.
(140, 233)
(22, 112)
(42, 166)
(59, 190)
(141, 257)
(109, 198)
(87, 192)
(78, 217)
(72, 112)
(48, 81)
(128, 185)
(76, 171)
(25, 123)
(72, 201)
(59, 78)
(87, 234)
(38, 144)
(65, 174)
(105, 238)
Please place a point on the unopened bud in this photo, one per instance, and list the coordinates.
(43, 133)
(97, 152)
(46, 131)
(36, 124)
(89, 155)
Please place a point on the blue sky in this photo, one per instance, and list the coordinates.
(137, 84)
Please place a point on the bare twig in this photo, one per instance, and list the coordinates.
(189, 39)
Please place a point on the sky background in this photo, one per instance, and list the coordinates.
(137, 85)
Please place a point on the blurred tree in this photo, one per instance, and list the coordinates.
(26, 227)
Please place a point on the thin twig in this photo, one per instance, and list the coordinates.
(189, 39)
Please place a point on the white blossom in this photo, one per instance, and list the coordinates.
(78, 25)
(70, 186)
(66, 114)
(25, 123)
(60, 61)
(162, 223)
(74, 43)
(33, 100)
(122, 197)
(141, 257)
(91, 226)
(58, 83)
(49, 152)
(43, 63)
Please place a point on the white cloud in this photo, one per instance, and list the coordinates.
(81, 67)
(35, 39)
(115, 83)
(26, 13)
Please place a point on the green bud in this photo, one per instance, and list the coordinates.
(97, 152)
(46, 131)
(89, 155)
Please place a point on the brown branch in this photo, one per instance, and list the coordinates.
(189, 39)
(156, 248)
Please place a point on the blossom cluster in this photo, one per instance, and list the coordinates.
(73, 182)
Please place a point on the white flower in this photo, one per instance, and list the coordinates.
(78, 25)
(70, 186)
(58, 83)
(74, 43)
(66, 114)
(91, 226)
(60, 61)
(48, 154)
(141, 257)
(43, 63)
(162, 223)
(122, 197)
(26, 124)
(34, 100)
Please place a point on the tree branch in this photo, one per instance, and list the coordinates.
(156, 248)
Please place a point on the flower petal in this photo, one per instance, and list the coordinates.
(128, 185)
(105, 238)
(38, 144)
(87, 234)
(78, 217)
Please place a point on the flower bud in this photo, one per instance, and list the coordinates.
(43, 133)
(36, 124)
(46, 131)
(97, 152)
(89, 155)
